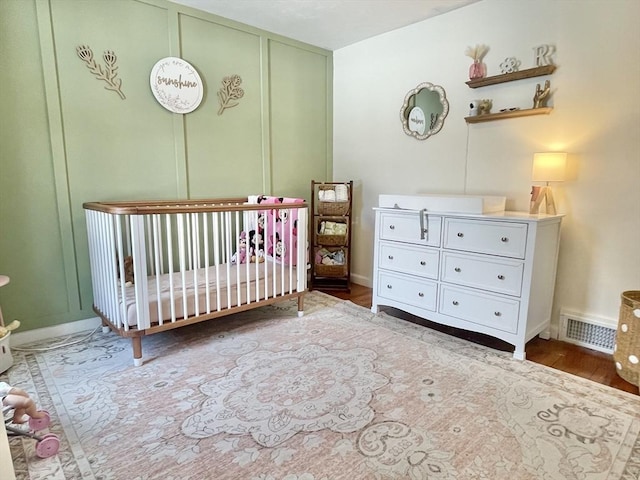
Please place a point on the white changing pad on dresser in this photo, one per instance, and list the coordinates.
(474, 204)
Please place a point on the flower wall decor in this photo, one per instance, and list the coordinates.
(230, 92)
(109, 73)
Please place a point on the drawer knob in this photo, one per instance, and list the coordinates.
(457, 269)
(500, 277)
(455, 302)
(390, 257)
(504, 239)
(423, 263)
(392, 227)
(497, 314)
(389, 286)
(460, 234)
(420, 294)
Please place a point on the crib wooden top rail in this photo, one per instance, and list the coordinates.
(144, 207)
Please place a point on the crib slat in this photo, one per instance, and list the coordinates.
(236, 248)
(205, 234)
(140, 266)
(195, 247)
(182, 261)
(157, 262)
(149, 240)
(172, 295)
(302, 250)
(274, 243)
(216, 251)
(227, 253)
(120, 312)
(266, 264)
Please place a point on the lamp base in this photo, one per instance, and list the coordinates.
(538, 194)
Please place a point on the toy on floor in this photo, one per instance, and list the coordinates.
(25, 411)
(9, 328)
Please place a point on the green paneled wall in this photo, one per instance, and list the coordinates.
(65, 139)
(231, 143)
(30, 237)
(300, 118)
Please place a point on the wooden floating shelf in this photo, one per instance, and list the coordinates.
(509, 77)
(512, 114)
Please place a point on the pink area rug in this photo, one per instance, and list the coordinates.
(337, 394)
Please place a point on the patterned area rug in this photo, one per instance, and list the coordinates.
(337, 394)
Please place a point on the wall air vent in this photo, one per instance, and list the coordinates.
(595, 334)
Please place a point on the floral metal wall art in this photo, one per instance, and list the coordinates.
(230, 92)
(109, 73)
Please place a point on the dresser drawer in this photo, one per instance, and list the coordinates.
(488, 273)
(405, 227)
(409, 290)
(480, 308)
(507, 239)
(421, 261)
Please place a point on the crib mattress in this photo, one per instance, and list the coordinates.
(179, 295)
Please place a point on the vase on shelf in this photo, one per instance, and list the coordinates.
(477, 70)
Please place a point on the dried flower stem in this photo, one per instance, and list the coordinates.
(108, 74)
(477, 53)
(230, 92)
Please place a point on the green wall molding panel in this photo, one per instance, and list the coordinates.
(70, 140)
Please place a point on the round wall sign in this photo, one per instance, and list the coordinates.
(176, 85)
(417, 122)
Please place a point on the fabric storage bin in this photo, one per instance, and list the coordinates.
(626, 352)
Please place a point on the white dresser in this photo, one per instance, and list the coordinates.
(488, 273)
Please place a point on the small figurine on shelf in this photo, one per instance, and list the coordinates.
(484, 107)
(510, 65)
(477, 69)
(542, 94)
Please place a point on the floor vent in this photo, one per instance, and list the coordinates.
(589, 333)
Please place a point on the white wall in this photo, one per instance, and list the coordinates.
(596, 118)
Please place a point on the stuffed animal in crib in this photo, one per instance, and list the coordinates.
(4, 331)
(278, 249)
(128, 269)
(257, 257)
(248, 252)
(256, 245)
(241, 255)
(484, 107)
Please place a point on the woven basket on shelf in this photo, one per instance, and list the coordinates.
(332, 208)
(322, 270)
(332, 240)
(626, 353)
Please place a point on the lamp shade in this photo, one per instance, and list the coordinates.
(549, 167)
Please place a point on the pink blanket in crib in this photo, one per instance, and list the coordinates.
(279, 229)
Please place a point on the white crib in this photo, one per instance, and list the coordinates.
(193, 260)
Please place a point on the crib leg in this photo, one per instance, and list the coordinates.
(300, 305)
(136, 343)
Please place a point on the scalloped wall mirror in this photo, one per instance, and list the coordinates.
(424, 110)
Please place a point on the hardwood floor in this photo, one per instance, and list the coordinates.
(580, 361)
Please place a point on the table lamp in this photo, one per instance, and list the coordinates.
(547, 167)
